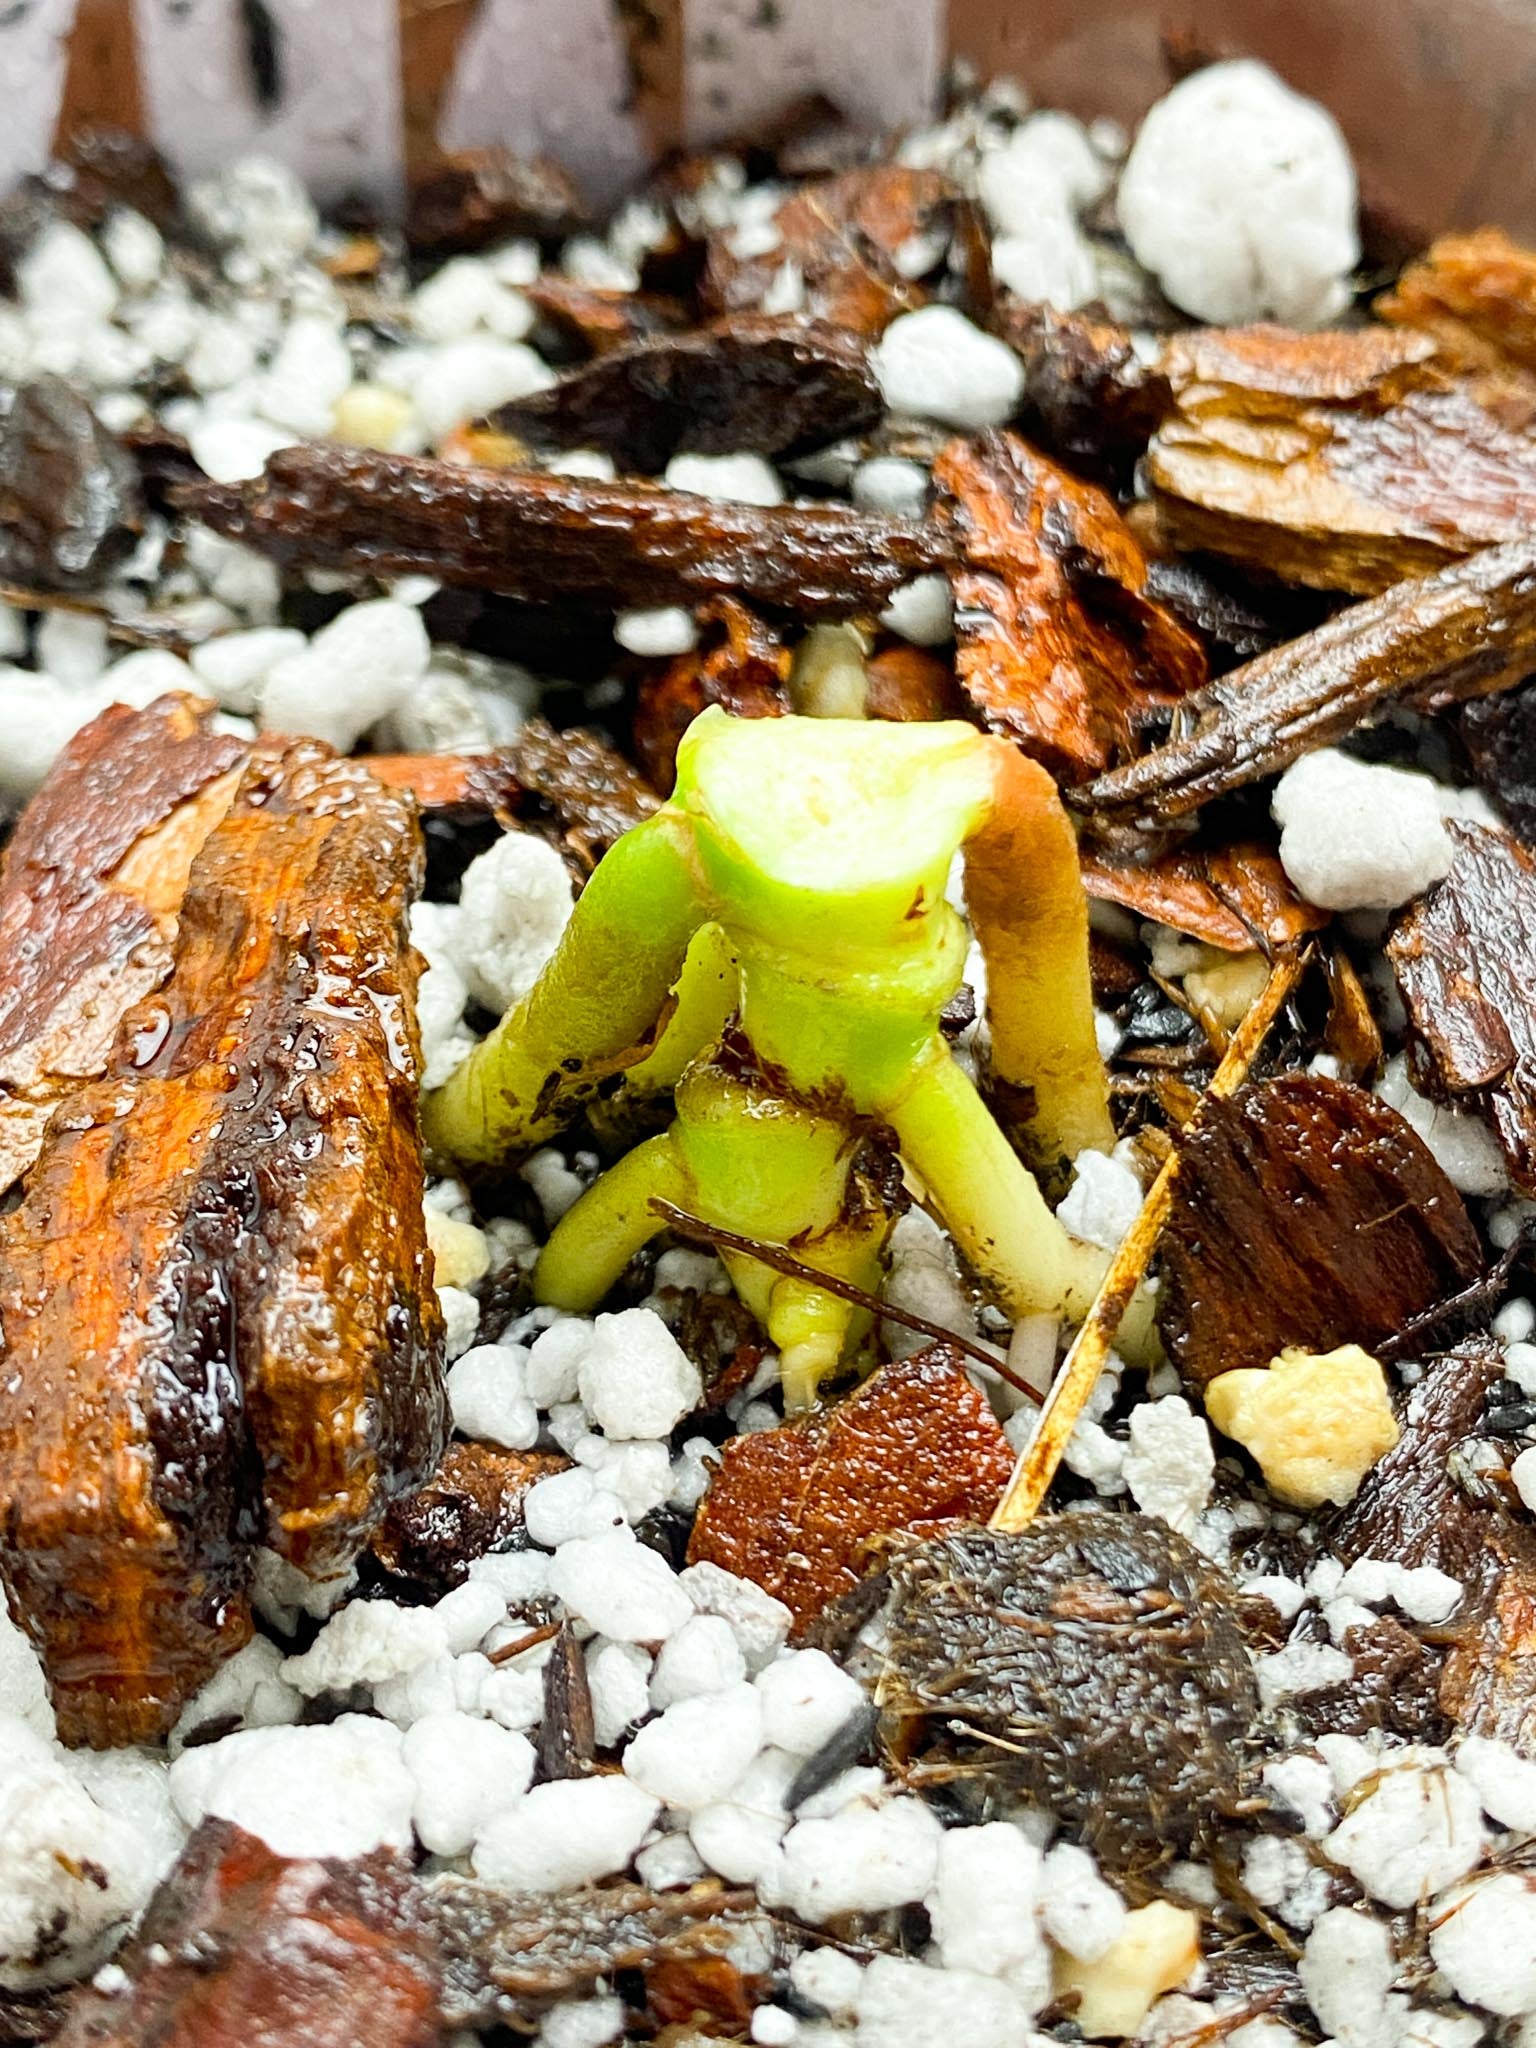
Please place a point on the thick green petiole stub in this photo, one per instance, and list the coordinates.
(795, 882)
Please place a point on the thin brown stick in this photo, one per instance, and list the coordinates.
(1079, 1371)
(779, 1259)
(531, 1641)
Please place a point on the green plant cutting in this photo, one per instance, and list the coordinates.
(774, 948)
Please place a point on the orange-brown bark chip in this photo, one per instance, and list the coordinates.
(797, 1509)
(89, 896)
(1059, 645)
(1476, 294)
(848, 237)
(242, 1948)
(216, 1296)
(1233, 897)
(1346, 461)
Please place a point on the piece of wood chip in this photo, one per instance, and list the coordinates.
(796, 1509)
(1465, 959)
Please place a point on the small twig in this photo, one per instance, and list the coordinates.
(518, 1644)
(779, 1259)
(1079, 1371)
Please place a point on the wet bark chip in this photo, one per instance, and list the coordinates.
(472, 1505)
(1092, 1663)
(854, 240)
(548, 539)
(70, 505)
(1476, 294)
(775, 385)
(1059, 644)
(1305, 1212)
(1465, 960)
(1467, 631)
(241, 1945)
(1342, 460)
(1088, 396)
(796, 1509)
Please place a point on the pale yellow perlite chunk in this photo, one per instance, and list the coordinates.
(1158, 1949)
(1315, 1423)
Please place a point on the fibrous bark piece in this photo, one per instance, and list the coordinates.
(1489, 1684)
(1465, 959)
(1059, 644)
(548, 538)
(849, 238)
(1476, 294)
(220, 1266)
(70, 505)
(1234, 897)
(773, 384)
(1305, 1213)
(242, 1948)
(1342, 460)
(797, 1509)
(90, 891)
(1092, 1663)
(507, 1959)
(1466, 631)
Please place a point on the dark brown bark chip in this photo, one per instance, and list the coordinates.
(1305, 1212)
(593, 320)
(1092, 1663)
(70, 505)
(548, 538)
(1465, 959)
(777, 385)
(567, 1742)
(1409, 1508)
(488, 195)
(507, 1958)
(1499, 734)
(472, 1505)
(1058, 644)
(1394, 1687)
(1088, 396)
(1489, 1684)
(1467, 631)
(590, 792)
(241, 1946)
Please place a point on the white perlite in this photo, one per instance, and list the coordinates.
(514, 902)
(1414, 1833)
(74, 1868)
(982, 1908)
(902, 2004)
(1465, 1149)
(1357, 836)
(691, 1755)
(1484, 1938)
(354, 672)
(623, 1589)
(488, 1398)
(569, 1832)
(805, 1699)
(733, 479)
(635, 1378)
(934, 364)
(369, 1640)
(1103, 1201)
(1239, 197)
(1170, 1464)
(468, 1772)
(1504, 1781)
(340, 1789)
(1347, 1970)
(862, 1861)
